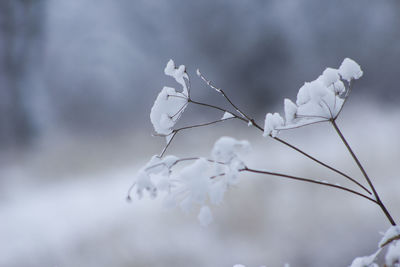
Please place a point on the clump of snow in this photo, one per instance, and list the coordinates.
(205, 216)
(392, 257)
(391, 234)
(318, 100)
(179, 74)
(167, 109)
(170, 104)
(154, 176)
(227, 115)
(330, 76)
(290, 110)
(363, 262)
(227, 148)
(194, 185)
(198, 183)
(366, 261)
(143, 181)
(217, 191)
(349, 70)
(272, 123)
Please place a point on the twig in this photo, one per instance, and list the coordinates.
(175, 131)
(249, 119)
(310, 181)
(380, 203)
(321, 163)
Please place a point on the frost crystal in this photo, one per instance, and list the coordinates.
(205, 216)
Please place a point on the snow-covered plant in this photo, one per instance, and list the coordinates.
(203, 181)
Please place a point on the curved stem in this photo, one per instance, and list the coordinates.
(248, 119)
(174, 132)
(216, 107)
(310, 181)
(321, 163)
(380, 203)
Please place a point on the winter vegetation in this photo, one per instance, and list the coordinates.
(198, 183)
(78, 77)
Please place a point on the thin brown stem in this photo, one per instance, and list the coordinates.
(380, 203)
(175, 131)
(321, 163)
(310, 181)
(285, 143)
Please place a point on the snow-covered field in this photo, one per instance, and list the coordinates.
(63, 203)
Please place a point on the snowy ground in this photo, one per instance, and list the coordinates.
(63, 204)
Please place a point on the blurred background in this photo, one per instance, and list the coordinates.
(78, 79)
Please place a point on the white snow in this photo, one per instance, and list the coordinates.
(205, 216)
(349, 70)
(366, 261)
(227, 148)
(272, 123)
(167, 109)
(363, 262)
(217, 191)
(170, 104)
(169, 137)
(179, 74)
(143, 182)
(227, 115)
(392, 257)
(290, 110)
(329, 76)
(338, 87)
(193, 186)
(390, 234)
(303, 96)
(318, 100)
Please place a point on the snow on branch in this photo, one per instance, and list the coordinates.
(197, 184)
(202, 182)
(317, 101)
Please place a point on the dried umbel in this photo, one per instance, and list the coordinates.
(203, 182)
